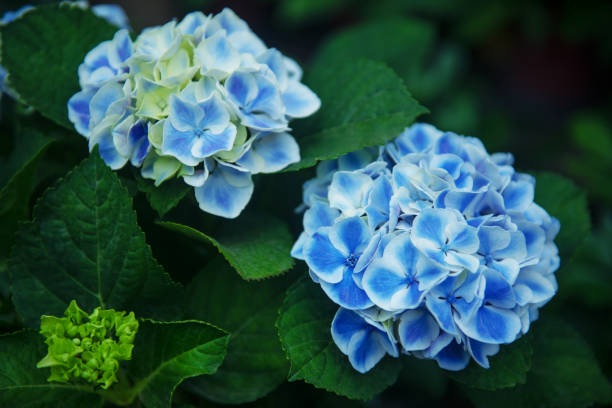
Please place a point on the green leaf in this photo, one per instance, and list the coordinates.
(42, 51)
(166, 353)
(508, 368)
(364, 103)
(255, 363)
(304, 325)
(564, 373)
(85, 244)
(164, 197)
(408, 48)
(23, 385)
(565, 201)
(18, 181)
(256, 245)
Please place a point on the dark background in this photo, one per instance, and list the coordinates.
(531, 78)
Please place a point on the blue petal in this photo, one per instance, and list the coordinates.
(449, 162)
(297, 251)
(346, 293)
(109, 152)
(242, 88)
(78, 110)
(208, 143)
(387, 284)
(533, 287)
(378, 202)
(442, 312)
(326, 262)
(271, 153)
(319, 215)
(482, 351)
(179, 144)
(491, 324)
(226, 192)
(299, 100)
(462, 238)
(492, 239)
(217, 56)
(417, 330)
(518, 195)
(345, 325)
(112, 13)
(498, 291)
(417, 138)
(350, 236)
(366, 350)
(348, 192)
(428, 228)
(184, 116)
(103, 99)
(453, 357)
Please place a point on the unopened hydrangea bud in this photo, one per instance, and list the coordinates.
(87, 348)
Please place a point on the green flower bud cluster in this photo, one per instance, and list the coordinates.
(87, 348)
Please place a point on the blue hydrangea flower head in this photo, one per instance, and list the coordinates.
(430, 246)
(203, 99)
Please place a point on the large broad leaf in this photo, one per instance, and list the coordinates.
(255, 363)
(304, 327)
(409, 47)
(85, 244)
(564, 373)
(508, 368)
(23, 385)
(563, 200)
(42, 51)
(256, 245)
(364, 103)
(165, 353)
(17, 183)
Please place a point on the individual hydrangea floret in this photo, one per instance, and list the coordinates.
(430, 246)
(203, 99)
(87, 348)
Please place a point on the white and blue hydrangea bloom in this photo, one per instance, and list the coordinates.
(430, 246)
(207, 101)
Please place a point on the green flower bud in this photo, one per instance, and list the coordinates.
(87, 348)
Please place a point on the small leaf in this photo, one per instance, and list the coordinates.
(85, 244)
(164, 197)
(364, 103)
(304, 327)
(255, 363)
(23, 385)
(565, 201)
(42, 51)
(165, 353)
(256, 245)
(564, 374)
(508, 368)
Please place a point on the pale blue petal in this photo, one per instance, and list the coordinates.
(442, 312)
(491, 324)
(271, 153)
(345, 325)
(78, 110)
(518, 195)
(453, 357)
(179, 144)
(492, 239)
(226, 192)
(346, 293)
(417, 330)
(449, 162)
(350, 236)
(325, 261)
(348, 192)
(299, 100)
(112, 13)
(383, 280)
(319, 215)
(365, 351)
(103, 100)
(242, 88)
(297, 251)
(428, 228)
(109, 152)
(482, 351)
(498, 291)
(535, 287)
(184, 116)
(457, 259)
(207, 143)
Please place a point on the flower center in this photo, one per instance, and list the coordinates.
(351, 261)
(198, 132)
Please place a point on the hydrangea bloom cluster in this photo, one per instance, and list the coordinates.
(112, 13)
(203, 99)
(87, 348)
(430, 246)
